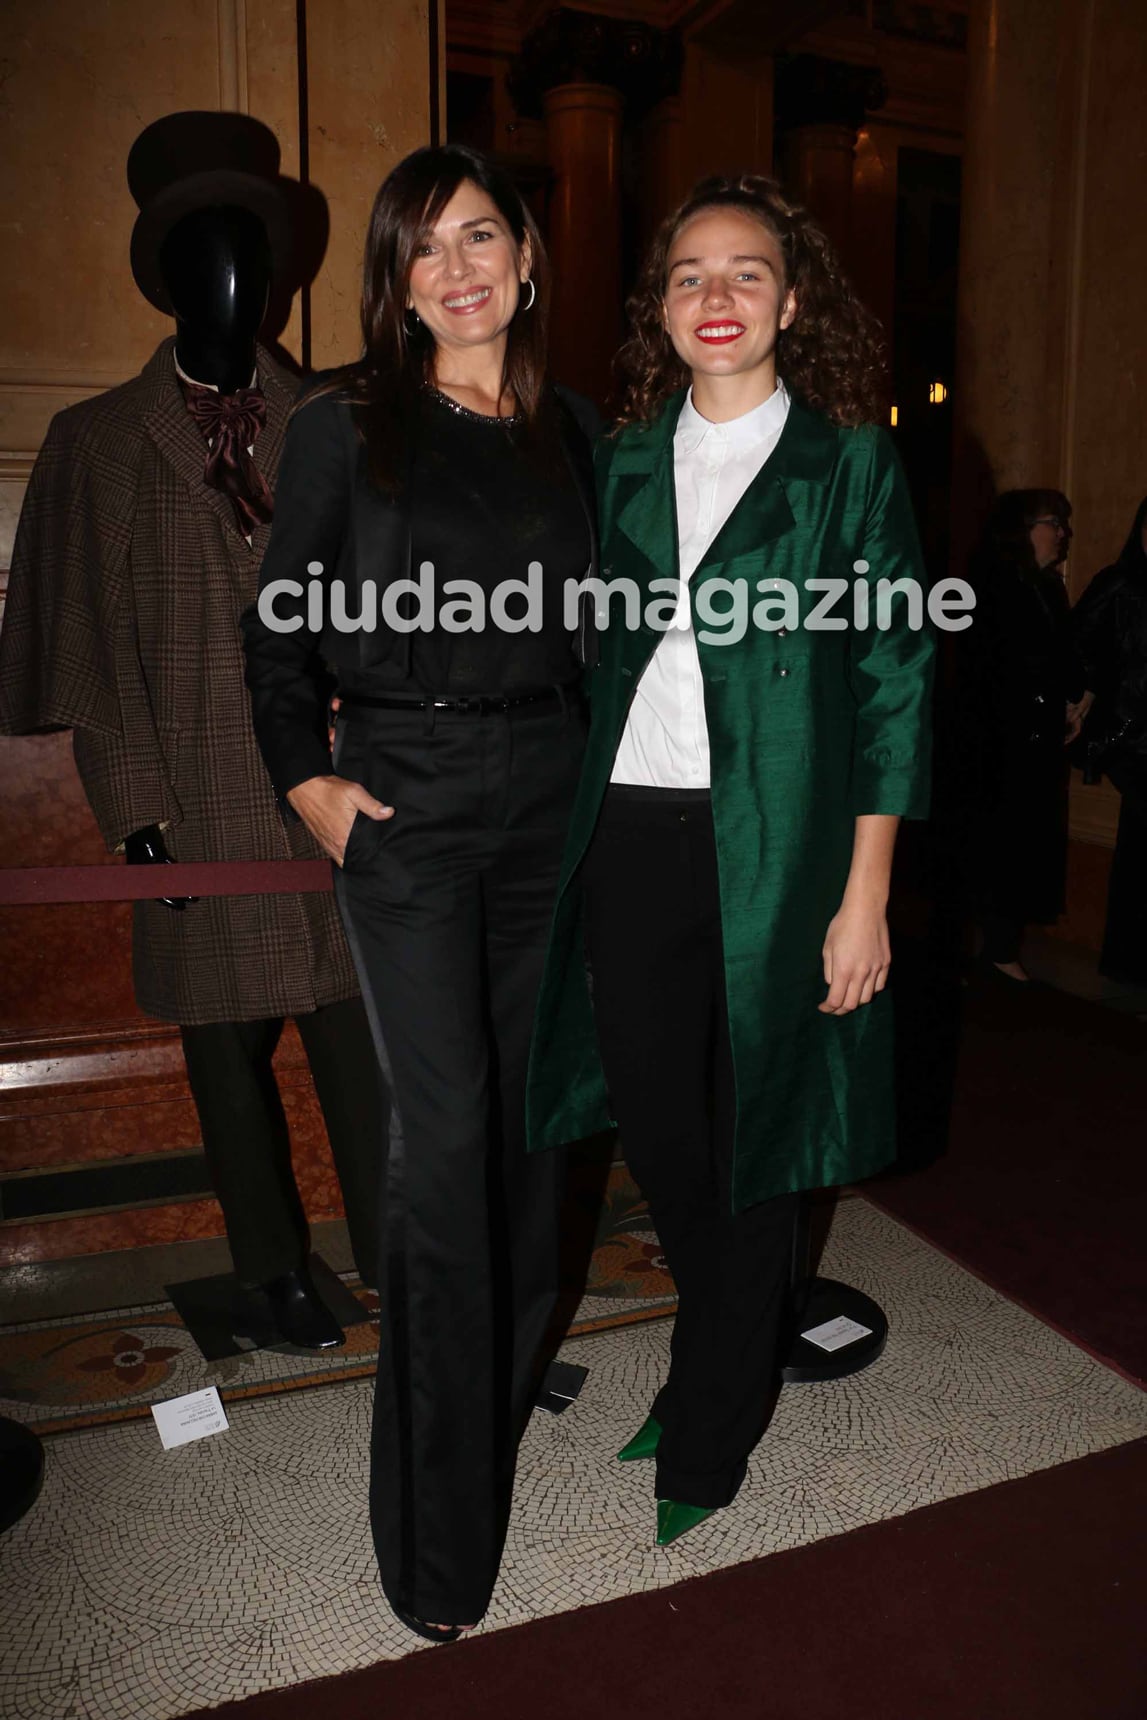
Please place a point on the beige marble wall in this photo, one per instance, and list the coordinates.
(82, 81)
(368, 83)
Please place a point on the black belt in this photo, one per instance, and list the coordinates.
(470, 705)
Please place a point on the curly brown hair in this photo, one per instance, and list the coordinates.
(832, 354)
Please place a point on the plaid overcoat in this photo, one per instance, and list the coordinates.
(128, 579)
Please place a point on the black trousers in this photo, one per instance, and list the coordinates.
(1003, 936)
(247, 1145)
(447, 907)
(653, 923)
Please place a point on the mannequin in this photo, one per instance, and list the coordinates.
(216, 266)
(139, 546)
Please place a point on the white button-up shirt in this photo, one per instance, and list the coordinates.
(666, 739)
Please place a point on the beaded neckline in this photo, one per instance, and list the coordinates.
(461, 411)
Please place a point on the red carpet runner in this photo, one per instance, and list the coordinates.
(1020, 1602)
(1043, 1190)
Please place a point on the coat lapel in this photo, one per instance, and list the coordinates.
(179, 439)
(805, 453)
(280, 389)
(648, 515)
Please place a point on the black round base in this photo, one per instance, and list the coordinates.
(21, 1471)
(823, 1300)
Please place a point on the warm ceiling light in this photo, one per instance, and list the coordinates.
(937, 393)
(895, 416)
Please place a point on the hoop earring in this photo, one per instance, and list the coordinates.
(406, 316)
(533, 293)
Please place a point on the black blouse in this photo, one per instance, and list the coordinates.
(481, 501)
(484, 505)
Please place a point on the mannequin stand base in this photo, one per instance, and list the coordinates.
(227, 1320)
(21, 1471)
(822, 1300)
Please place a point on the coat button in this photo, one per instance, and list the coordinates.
(782, 632)
(782, 672)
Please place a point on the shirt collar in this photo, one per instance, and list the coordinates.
(214, 387)
(738, 434)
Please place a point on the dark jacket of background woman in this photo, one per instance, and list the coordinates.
(1017, 668)
(1110, 624)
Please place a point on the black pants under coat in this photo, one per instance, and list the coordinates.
(1124, 955)
(447, 908)
(245, 1135)
(653, 926)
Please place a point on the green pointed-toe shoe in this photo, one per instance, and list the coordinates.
(675, 1520)
(643, 1443)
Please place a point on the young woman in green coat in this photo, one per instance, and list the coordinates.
(720, 949)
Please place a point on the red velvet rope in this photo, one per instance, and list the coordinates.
(122, 883)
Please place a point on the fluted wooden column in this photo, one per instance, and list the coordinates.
(583, 143)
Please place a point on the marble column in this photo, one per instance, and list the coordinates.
(586, 73)
(583, 143)
(820, 168)
(821, 105)
(1009, 230)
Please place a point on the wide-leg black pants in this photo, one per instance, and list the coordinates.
(245, 1135)
(653, 928)
(447, 908)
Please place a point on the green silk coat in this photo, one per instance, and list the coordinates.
(807, 730)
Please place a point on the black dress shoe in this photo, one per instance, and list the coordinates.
(301, 1315)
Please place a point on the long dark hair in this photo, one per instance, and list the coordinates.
(832, 353)
(398, 351)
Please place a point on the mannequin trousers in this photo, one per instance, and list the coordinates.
(447, 908)
(248, 1148)
(653, 934)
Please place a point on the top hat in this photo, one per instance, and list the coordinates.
(188, 161)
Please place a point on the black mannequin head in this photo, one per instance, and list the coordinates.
(216, 266)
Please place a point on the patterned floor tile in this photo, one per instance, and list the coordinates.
(148, 1583)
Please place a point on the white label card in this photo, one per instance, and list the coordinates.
(835, 1334)
(195, 1416)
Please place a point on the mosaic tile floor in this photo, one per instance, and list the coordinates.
(147, 1584)
(78, 1370)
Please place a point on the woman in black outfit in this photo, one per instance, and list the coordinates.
(444, 459)
(1020, 683)
(1110, 623)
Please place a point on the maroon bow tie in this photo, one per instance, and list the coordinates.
(230, 423)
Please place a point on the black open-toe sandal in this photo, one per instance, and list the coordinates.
(431, 1632)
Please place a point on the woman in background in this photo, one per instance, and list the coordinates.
(1018, 705)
